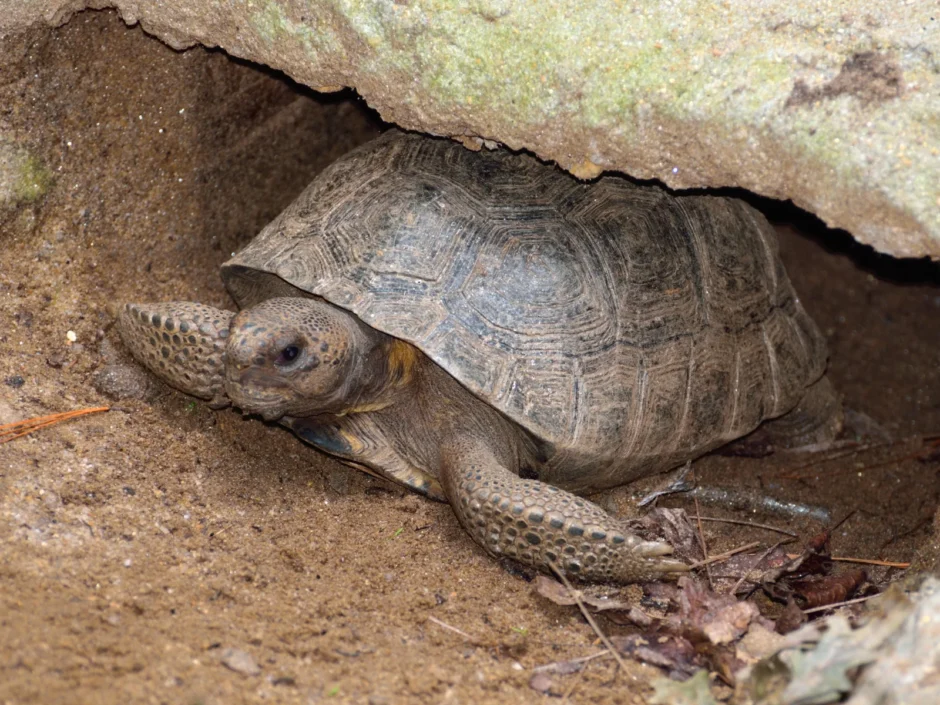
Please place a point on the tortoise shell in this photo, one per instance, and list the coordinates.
(627, 328)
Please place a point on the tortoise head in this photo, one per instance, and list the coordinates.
(293, 356)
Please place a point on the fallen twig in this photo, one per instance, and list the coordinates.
(701, 540)
(455, 630)
(835, 605)
(12, 431)
(929, 441)
(742, 522)
(793, 473)
(566, 698)
(756, 563)
(552, 667)
(869, 561)
(726, 555)
(590, 620)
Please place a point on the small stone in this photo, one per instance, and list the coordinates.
(120, 381)
(239, 661)
(71, 336)
(45, 251)
(540, 682)
(23, 318)
(7, 413)
(51, 499)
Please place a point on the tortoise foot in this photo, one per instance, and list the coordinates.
(546, 527)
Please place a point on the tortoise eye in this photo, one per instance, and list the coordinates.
(288, 355)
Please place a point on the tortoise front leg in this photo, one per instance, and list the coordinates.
(360, 441)
(182, 343)
(543, 526)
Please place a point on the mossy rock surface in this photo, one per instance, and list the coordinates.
(833, 105)
(24, 178)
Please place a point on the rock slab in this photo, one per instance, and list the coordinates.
(834, 105)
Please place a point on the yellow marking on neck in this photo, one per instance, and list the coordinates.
(402, 360)
(354, 443)
(363, 408)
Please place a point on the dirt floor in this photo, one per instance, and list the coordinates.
(165, 553)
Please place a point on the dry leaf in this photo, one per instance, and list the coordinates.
(556, 592)
(667, 651)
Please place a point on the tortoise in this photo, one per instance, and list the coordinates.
(491, 332)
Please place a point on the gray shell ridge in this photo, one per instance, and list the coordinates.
(629, 328)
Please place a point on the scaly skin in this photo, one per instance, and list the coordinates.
(182, 343)
(543, 526)
(379, 402)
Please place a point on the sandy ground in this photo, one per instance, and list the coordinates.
(139, 547)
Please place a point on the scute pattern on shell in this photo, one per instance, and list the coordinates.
(627, 327)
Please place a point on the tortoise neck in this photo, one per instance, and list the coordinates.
(391, 369)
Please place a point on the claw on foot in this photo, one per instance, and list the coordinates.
(653, 549)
